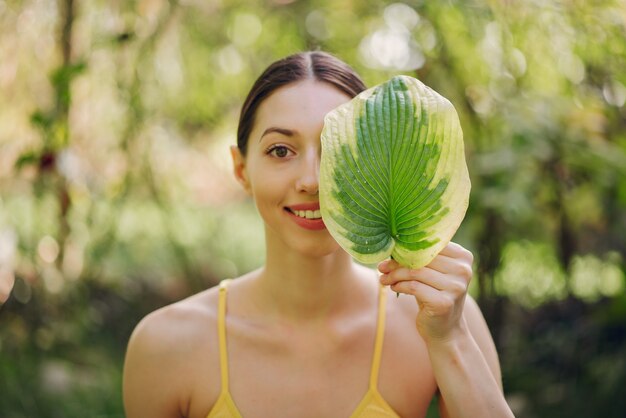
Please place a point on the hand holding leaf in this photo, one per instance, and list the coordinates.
(439, 288)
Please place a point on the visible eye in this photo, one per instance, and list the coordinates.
(278, 151)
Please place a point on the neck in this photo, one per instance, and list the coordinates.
(307, 288)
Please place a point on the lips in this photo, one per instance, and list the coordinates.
(306, 215)
(305, 206)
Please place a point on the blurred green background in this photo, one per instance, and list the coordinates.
(116, 195)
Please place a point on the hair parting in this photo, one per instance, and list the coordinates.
(311, 65)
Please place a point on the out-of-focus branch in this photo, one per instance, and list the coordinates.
(62, 85)
(104, 243)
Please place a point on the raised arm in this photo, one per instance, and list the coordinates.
(462, 354)
(474, 353)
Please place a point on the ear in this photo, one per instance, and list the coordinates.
(239, 167)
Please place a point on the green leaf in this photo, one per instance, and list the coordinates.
(393, 177)
(28, 158)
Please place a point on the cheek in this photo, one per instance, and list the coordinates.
(268, 187)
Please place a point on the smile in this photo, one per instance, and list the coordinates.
(308, 214)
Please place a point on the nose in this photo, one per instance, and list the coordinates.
(308, 179)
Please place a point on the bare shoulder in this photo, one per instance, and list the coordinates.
(473, 314)
(480, 331)
(476, 322)
(161, 331)
(404, 305)
(163, 356)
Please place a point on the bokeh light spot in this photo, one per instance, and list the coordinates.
(48, 249)
(245, 29)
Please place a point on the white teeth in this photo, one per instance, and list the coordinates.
(308, 214)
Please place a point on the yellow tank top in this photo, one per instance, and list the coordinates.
(371, 406)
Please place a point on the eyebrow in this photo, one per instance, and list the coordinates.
(282, 131)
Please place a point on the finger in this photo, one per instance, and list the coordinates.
(454, 266)
(424, 275)
(388, 266)
(422, 292)
(397, 275)
(451, 250)
(455, 250)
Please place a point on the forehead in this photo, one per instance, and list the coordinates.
(303, 102)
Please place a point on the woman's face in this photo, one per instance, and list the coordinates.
(281, 168)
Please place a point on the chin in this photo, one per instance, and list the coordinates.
(321, 247)
(310, 244)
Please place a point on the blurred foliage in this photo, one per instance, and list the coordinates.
(116, 195)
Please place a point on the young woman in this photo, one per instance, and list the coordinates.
(312, 333)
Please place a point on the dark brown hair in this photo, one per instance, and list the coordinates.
(316, 65)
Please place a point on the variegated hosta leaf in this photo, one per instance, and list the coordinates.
(393, 177)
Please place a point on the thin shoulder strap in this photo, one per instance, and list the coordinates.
(221, 329)
(380, 334)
